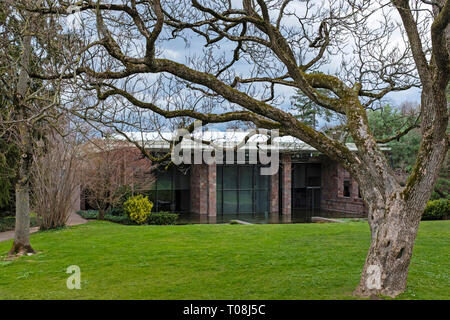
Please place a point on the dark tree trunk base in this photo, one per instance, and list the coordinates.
(19, 248)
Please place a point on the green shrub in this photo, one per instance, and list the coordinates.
(93, 214)
(436, 209)
(138, 208)
(9, 223)
(162, 218)
(118, 212)
(88, 214)
(118, 219)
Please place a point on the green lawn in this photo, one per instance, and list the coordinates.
(291, 261)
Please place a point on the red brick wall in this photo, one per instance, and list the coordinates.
(286, 184)
(333, 176)
(199, 183)
(274, 193)
(212, 193)
(203, 189)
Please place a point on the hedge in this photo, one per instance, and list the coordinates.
(162, 218)
(88, 214)
(437, 210)
(158, 218)
(9, 223)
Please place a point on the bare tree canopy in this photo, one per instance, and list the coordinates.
(29, 43)
(344, 55)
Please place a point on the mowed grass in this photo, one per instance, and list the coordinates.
(291, 261)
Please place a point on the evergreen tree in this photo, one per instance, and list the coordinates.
(309, 112)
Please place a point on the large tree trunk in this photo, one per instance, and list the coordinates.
(394, 229)
(22, 229)
(395, 212)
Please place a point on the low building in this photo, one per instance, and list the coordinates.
(233, 183)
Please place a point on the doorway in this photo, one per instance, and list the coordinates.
(306, 186)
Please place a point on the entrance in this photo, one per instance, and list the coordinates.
(306, 185)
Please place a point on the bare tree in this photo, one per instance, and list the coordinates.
(30, 43)
(380, 47)
(55, 181)
(108, 166)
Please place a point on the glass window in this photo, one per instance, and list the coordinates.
(165, 200)
(240, 188)
(347, 185)
(261, 201)
(219, 177)
(171, 190)
(230, 177)
(219, 202)
(262, 181)
(164, 180)
(182, 181)
(151, 195)
(313, 173)
(230, 202)
(299, 176)
(182, 200)
(315, 201)
(245, 201)
(245, 177)
(154, 183)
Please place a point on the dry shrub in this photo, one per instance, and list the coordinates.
(55, 185)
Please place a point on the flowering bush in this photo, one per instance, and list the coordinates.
(138, 208)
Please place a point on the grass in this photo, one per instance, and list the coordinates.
(291, 261)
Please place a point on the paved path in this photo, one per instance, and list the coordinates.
(321, 219)
(241, 222)
(73, 220)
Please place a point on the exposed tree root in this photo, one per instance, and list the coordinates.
(21, 249)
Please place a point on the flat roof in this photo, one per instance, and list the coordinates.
(225, 139)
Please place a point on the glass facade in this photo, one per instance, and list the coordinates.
(242, 189)
(171, 191)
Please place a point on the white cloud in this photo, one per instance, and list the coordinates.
(170, 54)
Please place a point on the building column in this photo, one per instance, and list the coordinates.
(212, 193)
(199, 189)
(274, 193)
(286, 184)
(194, 189)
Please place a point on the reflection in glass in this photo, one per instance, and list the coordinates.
(245, 201)
(230, 201)
(241, 189)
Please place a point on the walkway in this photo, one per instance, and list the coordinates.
(73, 220)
